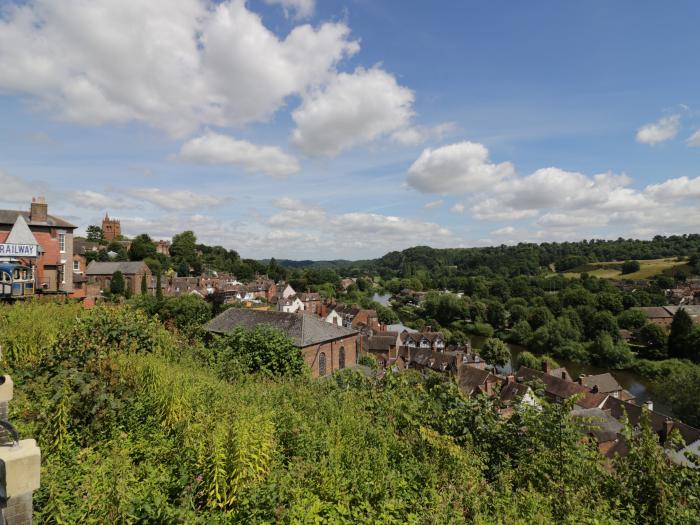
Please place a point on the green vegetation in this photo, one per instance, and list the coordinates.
(139, 426)
(641, 270)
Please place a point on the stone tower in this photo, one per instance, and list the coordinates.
(111, 228)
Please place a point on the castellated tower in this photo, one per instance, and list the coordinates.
(111, 228)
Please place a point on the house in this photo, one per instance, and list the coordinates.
(605, 384)
(381, 343)
(558, 388)
(663, 315)
(513, 393)
(291, 305)
(347, 282)
(325, 347)
(42, 241)
(663, 427)
(473, 381)
(99, 275)
(426, 338)
(285, 290)
(312, 302)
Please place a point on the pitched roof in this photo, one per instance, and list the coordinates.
(20, 233)
(560, 388)
(617, 408)
(597, 422)
(606, 383)
(512, 391)
(108, 268)
(10, 216)
(471, 378)
(304, 330)
(380, 341)
(655, 312)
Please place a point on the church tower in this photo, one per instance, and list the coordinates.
(111, 228)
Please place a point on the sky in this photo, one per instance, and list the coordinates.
(326, 129)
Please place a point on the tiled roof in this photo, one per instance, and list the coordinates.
(558, 387)
(606, 383)
(380, 341)
(512, 391)
(471, 378)
(655, 312)
(108, 268)
(597, 422)
(10, 216)
(304, 330)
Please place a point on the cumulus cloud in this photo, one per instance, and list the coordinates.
(177, 199)
(457, 168)
(351, 109)
(674, 189)
(662, 130)
(302, 8)
(457, 208)
(172, 64)
(99, 201)
(215, 148)
(694, 140)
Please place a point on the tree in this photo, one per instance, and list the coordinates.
(610, 354)
(630, 267)
(117, 284)
(495, 352)
(654, 338)
(539, 317)
(159, 288)
(496, 315)
(601, 322)
(183, 269)
(142, 247)
(631, 319)
(521, 332)
(144, 285)
(94, 233)
(679, 338)
(528, 360)
(188, 312)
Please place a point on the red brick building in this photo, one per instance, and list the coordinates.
(324, 347)
(111, 228)
(54, 238)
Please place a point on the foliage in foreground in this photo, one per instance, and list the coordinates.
(134, 428)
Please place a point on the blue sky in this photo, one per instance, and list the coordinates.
(326, 129)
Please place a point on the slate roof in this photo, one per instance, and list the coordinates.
(617, 408)
(304, 330)
(10, 216)
(511, 391)
(380, 341)
(606, 383)
(417, 336)
(81, 246)
(598, 422)
(108, 268)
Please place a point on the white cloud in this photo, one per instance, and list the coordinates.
(506, 230)
(662, 130)
(214, 148)
(694, 140)
(457, 208)
(302, 8)
(99, 201)
(352, 109)
(18, 192)
(173, 64)
(432, 204)
(413, 135)
(288, 203)
(178, 199)
(674, 189)
(457, 168)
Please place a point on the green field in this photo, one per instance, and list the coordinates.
(612, 270)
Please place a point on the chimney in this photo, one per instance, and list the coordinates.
(427, 328)
(545, 366)
(594, 390)
(563, 375)
(581, 378)
(510, 379)
(39, 210)
(668, 427)
(649, 404)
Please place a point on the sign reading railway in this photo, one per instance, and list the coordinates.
(18, 250)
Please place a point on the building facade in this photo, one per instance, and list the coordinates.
(53, 238)
(111, 228)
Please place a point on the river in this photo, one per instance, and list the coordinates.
(630, 381)
(382, 299)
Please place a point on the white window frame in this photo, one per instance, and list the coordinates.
(61, 241)
(76, 263)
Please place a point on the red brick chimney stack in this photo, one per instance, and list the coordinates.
(39, 210)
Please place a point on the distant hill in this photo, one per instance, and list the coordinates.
(288, 263)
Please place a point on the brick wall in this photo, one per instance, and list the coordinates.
(331, 349)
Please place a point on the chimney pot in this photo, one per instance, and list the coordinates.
(545, 366)
(510, 379)
(668, 427)
(649, 404)
(581, 378)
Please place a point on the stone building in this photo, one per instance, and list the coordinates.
(99, 275)
(324, 347)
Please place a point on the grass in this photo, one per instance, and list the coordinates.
(612, 270)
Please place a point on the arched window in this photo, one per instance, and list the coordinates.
(322, 364)
(341, 358)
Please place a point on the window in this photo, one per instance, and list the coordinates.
(62, 242)
(322, 364)
(76, 266)
(341, 358)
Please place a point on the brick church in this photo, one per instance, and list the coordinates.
(111, 228)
